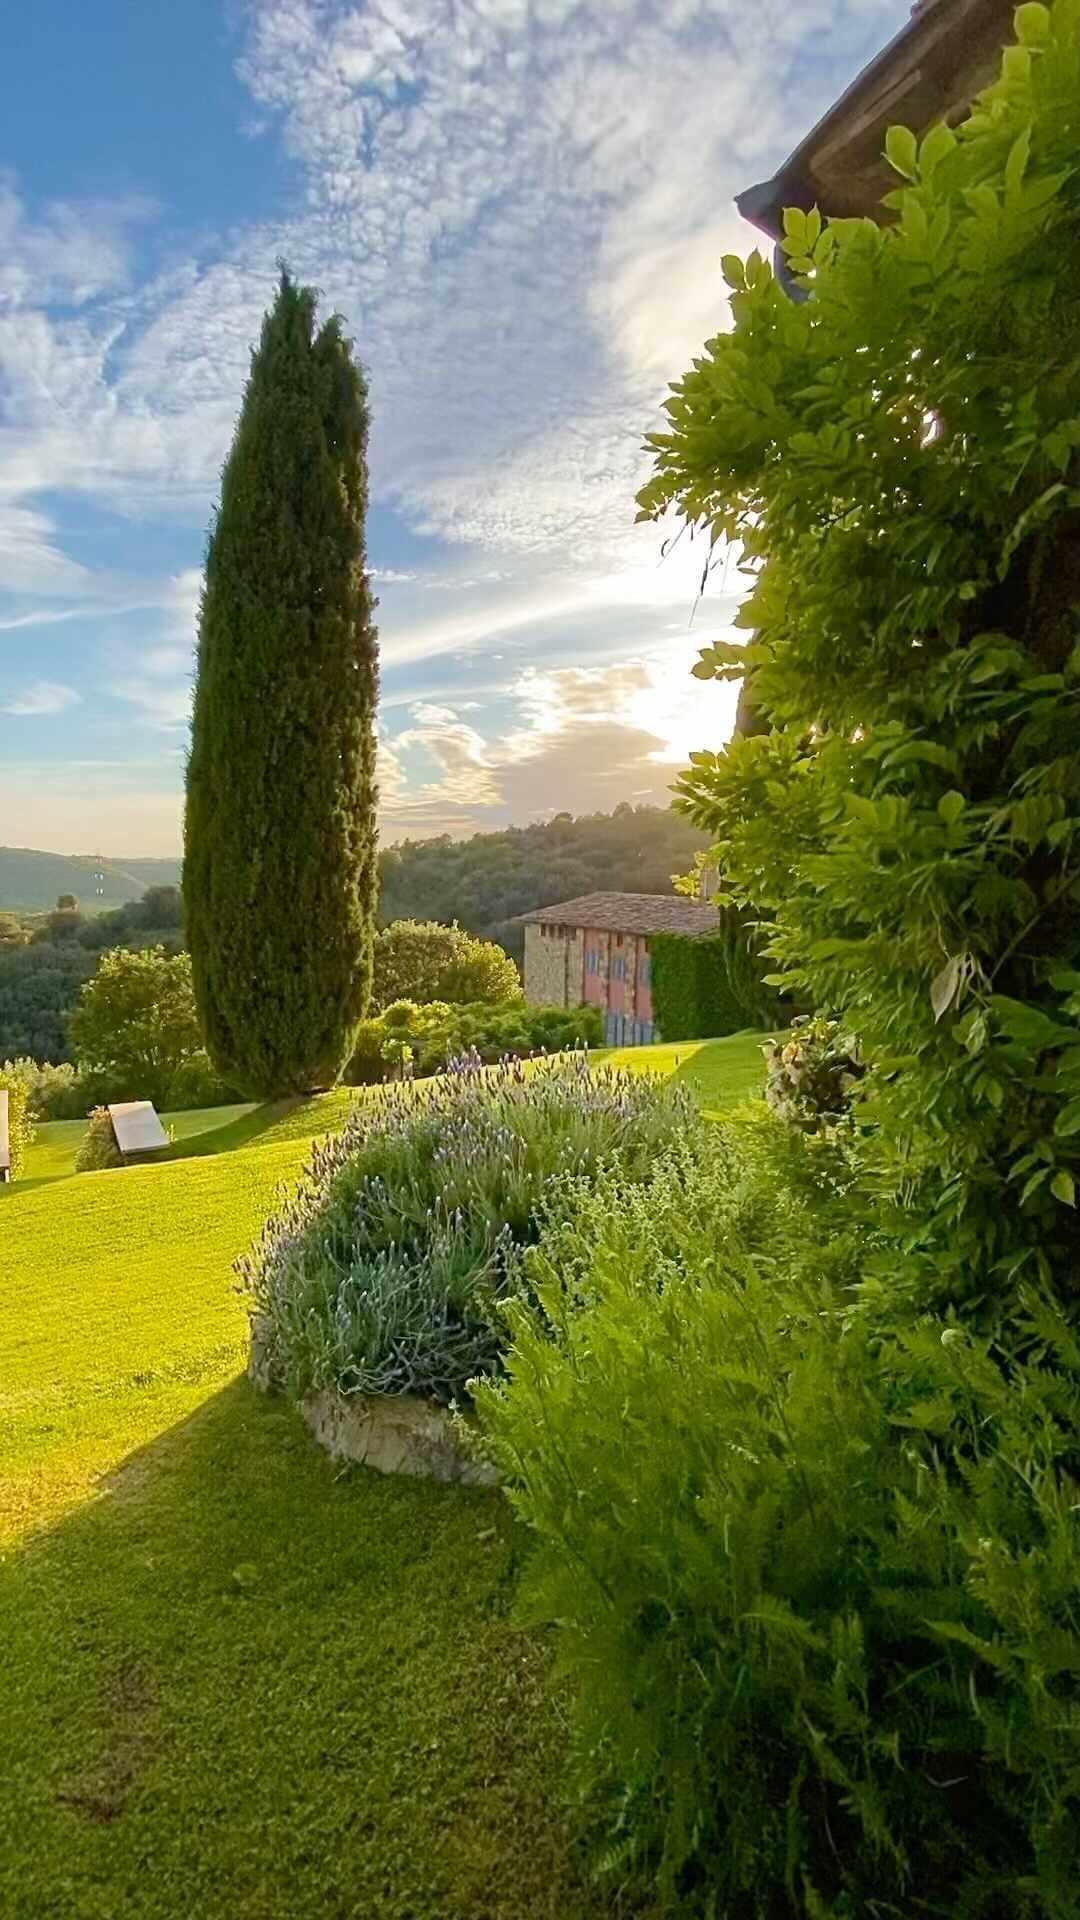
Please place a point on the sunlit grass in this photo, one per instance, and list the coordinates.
(237, 1683)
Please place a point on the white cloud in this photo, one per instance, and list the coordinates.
(43, 696)
(520, 206)
(69, 254)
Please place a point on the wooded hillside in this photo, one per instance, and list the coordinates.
(485, 881)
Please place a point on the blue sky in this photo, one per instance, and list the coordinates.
(520, 206)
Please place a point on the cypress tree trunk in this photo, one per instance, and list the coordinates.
(279, 839)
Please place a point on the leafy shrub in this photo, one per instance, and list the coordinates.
(51, 1091)
(816, 1582)
(436, 1032)
(20, 1123)
(424, 960)
(388, 1271)
(98, 1147)
(899, 458)
(810, 1075)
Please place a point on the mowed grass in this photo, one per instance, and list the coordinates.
(51, 1154)
(719, 1073)
(201, 1130)
(240, 1683)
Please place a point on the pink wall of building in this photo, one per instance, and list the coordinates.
(617, 973)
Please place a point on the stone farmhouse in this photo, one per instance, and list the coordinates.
(596, 950)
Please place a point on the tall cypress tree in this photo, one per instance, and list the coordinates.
(279, 843)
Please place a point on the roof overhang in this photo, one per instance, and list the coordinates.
(931, 70)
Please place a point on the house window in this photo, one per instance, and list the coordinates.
(644, 970)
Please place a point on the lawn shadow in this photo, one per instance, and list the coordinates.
(235, 1133)
(292, 1689)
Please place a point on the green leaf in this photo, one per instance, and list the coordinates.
(1031, 1186)
(1031, 24)
(1016, 163)
(1068, 1121)
(1016, 65)
(945, 986)
(951, 806)
(795, 228)
(939, 141)
(902, 153)
(1063, 1187)
(1029, 1025)
(733, 271)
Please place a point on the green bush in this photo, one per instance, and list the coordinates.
(899, 458)
(197, 1083)
(815, 1582)
(51, 1091)
(98, 1148)
(423, 960)
(436, 1032)
(134, 1028)
(388, 1271)
(20, 1122)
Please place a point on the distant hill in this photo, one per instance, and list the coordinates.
(485, 881)
(482, 882)
(31, 880)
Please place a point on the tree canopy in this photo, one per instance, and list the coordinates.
(135, 1020)
(279, 852)
(485, 881)
(422, 960)
(899, 458)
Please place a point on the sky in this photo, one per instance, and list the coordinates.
(520, 207)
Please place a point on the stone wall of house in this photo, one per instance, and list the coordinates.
(554, 961)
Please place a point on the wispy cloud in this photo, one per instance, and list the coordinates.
(520, 207)
(42, 697)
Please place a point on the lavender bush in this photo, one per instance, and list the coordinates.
(387, 1271)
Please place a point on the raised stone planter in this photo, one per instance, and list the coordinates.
(394, 1433)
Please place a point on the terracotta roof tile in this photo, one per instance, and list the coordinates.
(629, 913)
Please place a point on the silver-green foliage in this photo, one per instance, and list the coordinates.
(816, 1581)
(389, 1270)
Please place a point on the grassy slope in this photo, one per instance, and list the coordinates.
(292, 1691)
(718, 1072)
(53, 1151)
(237, 1681)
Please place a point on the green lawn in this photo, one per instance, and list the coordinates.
(240, 1683)
(52, 1153)
(719, 1073)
